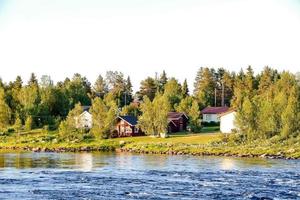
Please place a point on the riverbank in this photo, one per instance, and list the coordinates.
(181, 144)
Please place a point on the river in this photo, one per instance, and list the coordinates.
(131, 176)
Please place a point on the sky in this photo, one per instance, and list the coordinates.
(141, 37)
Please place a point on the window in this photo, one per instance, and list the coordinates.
(207, 117)
(128, 130)
(136, 130)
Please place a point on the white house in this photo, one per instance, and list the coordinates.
(210, 114)
(84, 120)
(227, 121)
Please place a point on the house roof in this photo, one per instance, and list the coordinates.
(175, 115)
(132, 120)
(171, 121)
(231, 110)
(214, 110)
(86, 108)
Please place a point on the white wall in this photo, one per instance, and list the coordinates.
(227, 122)
(210, 118)
(85, 120)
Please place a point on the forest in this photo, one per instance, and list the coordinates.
(267, 102)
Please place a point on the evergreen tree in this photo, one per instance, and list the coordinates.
(148, 88)
(205, 87)
(162, 81)
(128, 91)
(77, 90)
(185, 89)
(33, 80)
(100, 87)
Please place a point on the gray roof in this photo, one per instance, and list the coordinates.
(86, 108)
(132, 120)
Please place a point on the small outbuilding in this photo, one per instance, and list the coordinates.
(227, 121)
(177, 122)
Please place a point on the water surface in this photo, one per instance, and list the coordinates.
(130, 176)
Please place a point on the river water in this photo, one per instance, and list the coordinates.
(130, 176)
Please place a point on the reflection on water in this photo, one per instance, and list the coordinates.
(84, 161)
(130, 176)
(88, 161)
(227, 164)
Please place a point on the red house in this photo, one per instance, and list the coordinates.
(126, 127)
(177, 122)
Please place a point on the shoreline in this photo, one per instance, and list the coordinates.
(124, 149)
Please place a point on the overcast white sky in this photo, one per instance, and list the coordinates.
(141, 37)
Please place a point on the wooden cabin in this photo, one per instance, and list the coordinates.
(177, 122)
(126, 127)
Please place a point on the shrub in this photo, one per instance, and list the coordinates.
(210, 123)
(28, 123)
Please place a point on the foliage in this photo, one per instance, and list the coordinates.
(18, 124)
(71, 129)
(5, 112)
(29, 123)
(154, 115)
(148, 88)
(103, 117)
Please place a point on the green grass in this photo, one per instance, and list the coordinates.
(208, 142)
(194, 138)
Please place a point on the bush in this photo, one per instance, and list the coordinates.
(10, 130)
(88, 137)
(210, 124)
(28, 123)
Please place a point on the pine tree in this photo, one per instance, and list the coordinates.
(128, 91)
(100, 87)
(148, 88)
(185, 89)
(33, 80)
(162, 81)
(205, 87)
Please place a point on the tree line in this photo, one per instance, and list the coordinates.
(267, 103)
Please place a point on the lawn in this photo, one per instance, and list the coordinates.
(187, 138)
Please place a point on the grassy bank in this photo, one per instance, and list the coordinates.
(205, 143)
